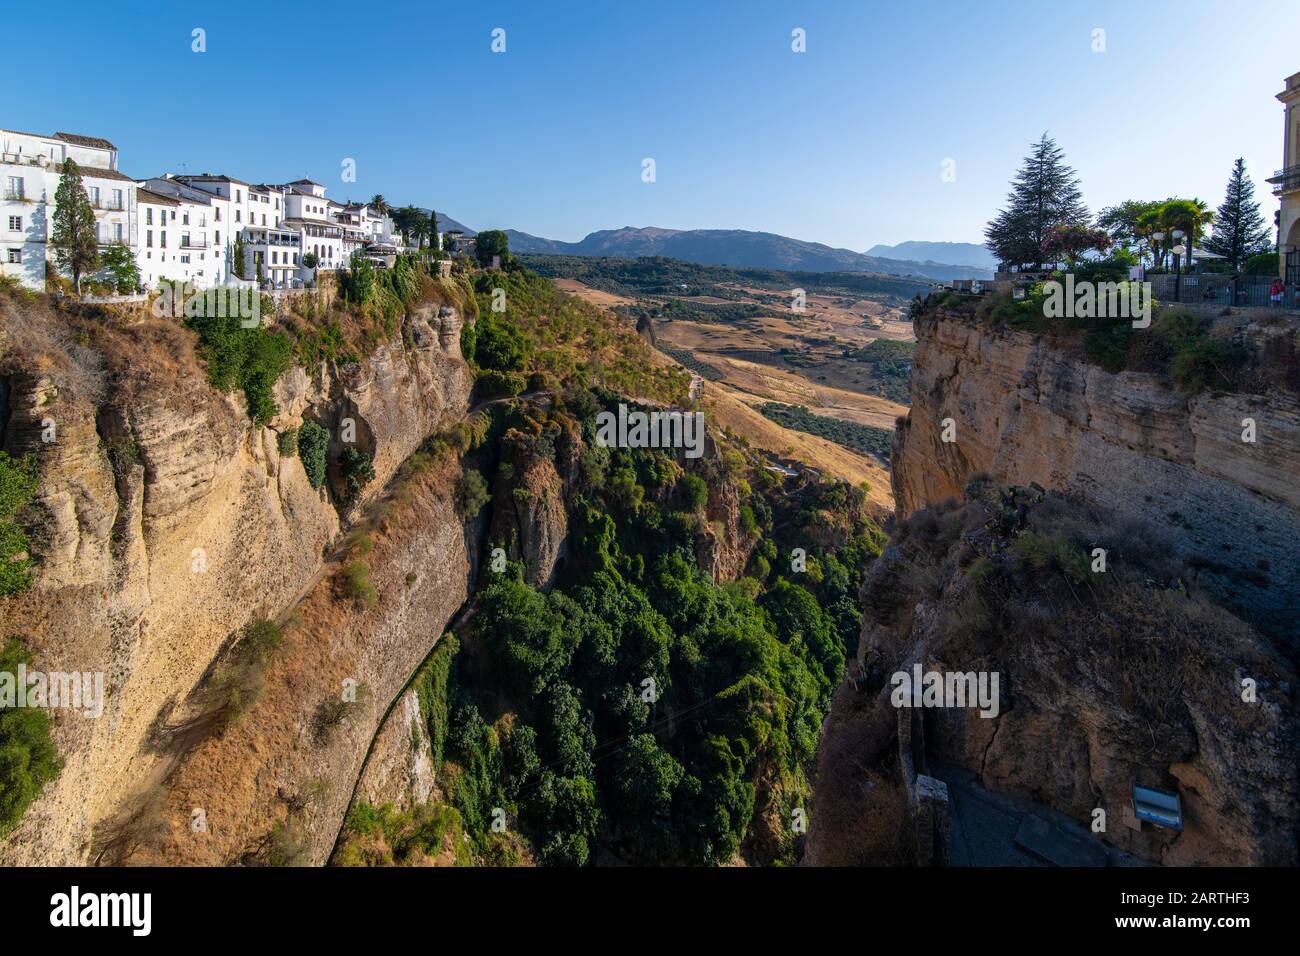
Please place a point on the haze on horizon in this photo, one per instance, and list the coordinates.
(844, 144)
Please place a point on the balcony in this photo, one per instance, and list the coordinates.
(191, 243)
(108, 205)
(1286, 180)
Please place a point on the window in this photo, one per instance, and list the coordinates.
(217, 213)
(93, 193)
(117, 199)
(15, 223)
(218, 239)
(148, 215)
(15, 255)
(185, 217)
(173, 215)
(162, 239)
(117, 232)
(264, 219)
(237, 216)
(238, 196)
(148, 239)
(14, 187)
(203, 219)
(275, 258)
(185, 240)
(185, 259)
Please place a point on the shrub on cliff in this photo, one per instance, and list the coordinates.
(313, 443)
(238, 682)
(357, 470)
(471, 494)
(250, 359)
(28, 760)
(17, 488)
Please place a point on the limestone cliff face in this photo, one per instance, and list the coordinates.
(165, 521)
(1102, 685)
(1026, 411)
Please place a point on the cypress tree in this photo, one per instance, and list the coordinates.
(1239, 228)
(1045, 193)
(73, 237)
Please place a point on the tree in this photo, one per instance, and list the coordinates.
(380, 205)
(1239, 228)
(313, 443)
(73, 237)
(238, 266)
(1073, 241)
(1123, 223)
(1045, 193)
(408, 221)
(1189, 215)
(119, 263)
(28, 760)
(494, 242)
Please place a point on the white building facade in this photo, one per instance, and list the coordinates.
(29, 174)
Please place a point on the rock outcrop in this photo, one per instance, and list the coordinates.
(165, 520)
(1025, 410)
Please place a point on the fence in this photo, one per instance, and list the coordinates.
(1220, 289)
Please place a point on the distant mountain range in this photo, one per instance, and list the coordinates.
(738, 247)
(949, 253)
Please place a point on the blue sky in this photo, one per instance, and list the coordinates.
(843, 144)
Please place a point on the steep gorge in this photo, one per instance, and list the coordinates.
(1171, 665)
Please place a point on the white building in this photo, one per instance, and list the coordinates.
(315, 219)
(29, 173)
(177, 239)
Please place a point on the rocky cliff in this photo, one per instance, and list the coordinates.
(165, 521)
(1023, 409)
(1167, 665)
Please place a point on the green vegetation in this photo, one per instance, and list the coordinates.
(286, 443)
(118, 263)
(28, 760)
(471, 494)
(72, 237)
(493, 243)
(357, 585)
(1177, 344)
(238, 683)
(313, 444)
(891, 366)
(637, 704)
(18, 483)
(686, 358)
(357, 470)
(385, 836)
(865, 439)
(545, 331)
(250, 359)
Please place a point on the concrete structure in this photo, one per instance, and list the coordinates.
(29, 175)
(1286, 184)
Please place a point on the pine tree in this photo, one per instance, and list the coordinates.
(1239, 228)
(1045, 193)
(433, 231)
(73, 237)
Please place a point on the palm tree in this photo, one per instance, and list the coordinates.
(1145, 227)
(380, 205)
(1189, 215)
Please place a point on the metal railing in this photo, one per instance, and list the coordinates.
(194, 243)
(1285, 180)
